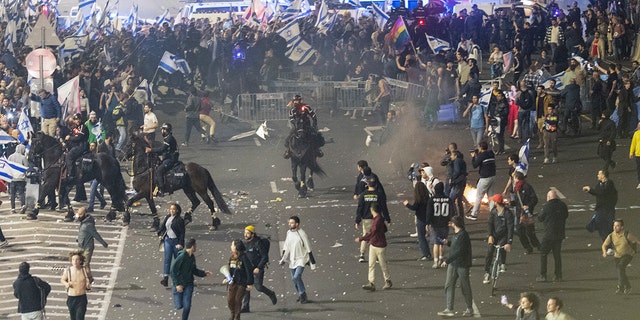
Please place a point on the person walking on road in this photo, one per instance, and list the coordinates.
(606, 200)
(297, 250)
(258, 254)
(192, 114)
(182, 271)
(171, 233)
(377, 248)
(500, 227)
(554, 217)
(75, 279)
(87, 233)
(363, 213)
(241, 274)
(624, 247)
(31, 293)
(419, 205)
(634, 152)
(485, 160)
(526, 200)
(458, 263)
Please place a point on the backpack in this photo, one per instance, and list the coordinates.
(633, 245)
(43, 292)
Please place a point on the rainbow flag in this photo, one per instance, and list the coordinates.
(400, 34)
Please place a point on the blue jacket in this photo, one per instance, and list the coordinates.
(49, 106)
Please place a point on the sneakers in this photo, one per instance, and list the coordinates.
(362, 259)
(273, 297)
(436, 264)
(638, 186)
(546, 161)
(31, 217)
(4, 244)
(23, 209)
(472, 217)
(13, 211)
(468, 313)
(388, 285)
(619, 290)
(370, 287)
(627, 290)
(554, 160)
(541, 278)
(423, 258)
(413, 235)
(486, 279)
(503, 268)
(446, 313)
(165, 281)
(610, 252)
(185, 144)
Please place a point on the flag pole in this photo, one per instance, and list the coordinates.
(154, 76)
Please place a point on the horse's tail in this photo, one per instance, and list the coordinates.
(222, 205)
(316, 168)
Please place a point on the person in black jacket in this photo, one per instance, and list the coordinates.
(171, 233)
(458, 181)
(439, 211)
(258, 253)
(485, 160)
(525, 102)
(459, 262)
(554, 216)
(31, 293)
(419, 205)
(241, 277)
(364, 171)
(526, 200)
(606, 199)
(607, 140)
(500, 228)
(77, 142)
(169, 152)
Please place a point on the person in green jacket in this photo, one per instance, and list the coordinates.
(182, 271)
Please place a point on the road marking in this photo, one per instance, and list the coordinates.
(257, 141)
(114, 275)
(476, 311)
(560, 195)
(274, 187)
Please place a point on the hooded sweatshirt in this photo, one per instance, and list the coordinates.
(19, 157)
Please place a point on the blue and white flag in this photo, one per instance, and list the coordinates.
(297, 9)
(97, 131)
(86, 4)
(355, 3)
(163, 18)
(10, 169)
(485, 96)
(24, 126)
(301, 52)
(558, 78)
(380, 16)
(290, 32)
(172, 63)
(5, 137)
(523, 165)
(145, 88)
(10, 35)
(326, 20)
(73, 45)
(437, 45)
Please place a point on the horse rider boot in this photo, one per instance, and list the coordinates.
(169, 152)
(77, 143)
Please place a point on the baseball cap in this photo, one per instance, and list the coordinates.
(496, 198)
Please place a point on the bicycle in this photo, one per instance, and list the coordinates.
(495, 268)
(492, 134)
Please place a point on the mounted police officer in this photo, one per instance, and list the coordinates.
(169, 152)
(302, 118)
(77, 144)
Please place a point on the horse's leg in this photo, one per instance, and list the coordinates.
(64, 201)
(302, 191)
(126, 218)
(195, 202)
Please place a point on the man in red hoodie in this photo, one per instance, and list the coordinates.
(377, 247)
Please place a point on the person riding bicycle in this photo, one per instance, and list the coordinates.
(77, 142)
(500, 227)
(302, 118)
(169, 152)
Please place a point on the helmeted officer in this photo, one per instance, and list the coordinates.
(169, 152)
(77, 143)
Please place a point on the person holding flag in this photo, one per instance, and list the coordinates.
(18, 184)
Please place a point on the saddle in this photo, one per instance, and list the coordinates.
(176, 177)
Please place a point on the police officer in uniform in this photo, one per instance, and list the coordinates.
(302, 117)
(169, 152)
(77, 143)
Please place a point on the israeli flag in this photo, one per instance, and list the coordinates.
(172, 63)
(381, 17)
(290, 32)
(10, 169)
(97, 131)
(437, 45)
(163, 18)
(24, 126)
(301, 52)
(355, 3)
(86, 3)
(523, 165)
(5, 137)
(558, 78)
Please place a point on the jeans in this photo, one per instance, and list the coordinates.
(453, 273)
(170, 251)
(182, 300)
(476, 136)
(122, 131)
(485, 185)
(423, 242)
(528, 238)
(491, 250)
(551, 245)
(296, 276)
(457, 194)
(621, 266)
(17, 188)
(377, 254)
(524, 129)
(195, 123)
(93, 193)
(258, 280)
(77, 306)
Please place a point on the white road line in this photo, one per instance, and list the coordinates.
(560, 195)
(114, 275)
(257, 141)
(274, 187)
(476, 311)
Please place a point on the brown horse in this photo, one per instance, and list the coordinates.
(197, 180)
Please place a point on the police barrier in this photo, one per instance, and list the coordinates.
(260, 107)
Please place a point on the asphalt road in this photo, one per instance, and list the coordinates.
(253, 175)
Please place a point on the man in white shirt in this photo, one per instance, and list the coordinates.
(297, 250)
(150, 122)
(553, 308)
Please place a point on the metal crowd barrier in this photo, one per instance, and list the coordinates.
(260, 107)
(405, 91)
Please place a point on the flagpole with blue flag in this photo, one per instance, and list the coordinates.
(523, 164)
(24, 126)
(9, 169)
